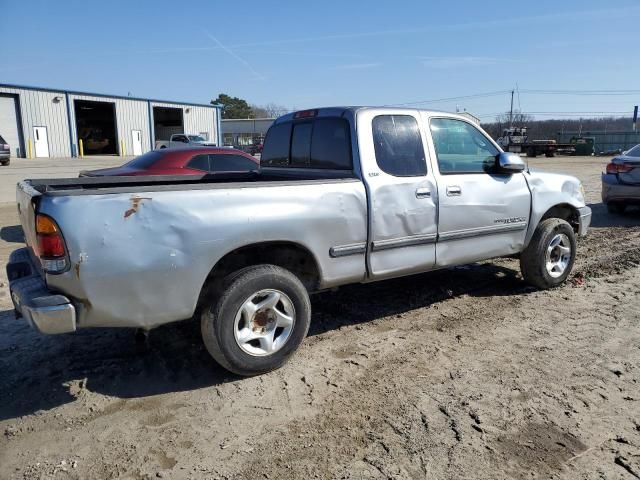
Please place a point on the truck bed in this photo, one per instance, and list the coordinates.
(110, 185)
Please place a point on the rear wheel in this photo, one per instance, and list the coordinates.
(616, 207)
(5, 162)
(259, 320)
(549, 257)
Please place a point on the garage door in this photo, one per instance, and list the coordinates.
(9, 122)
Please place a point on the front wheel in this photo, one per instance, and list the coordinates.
(258, 322)
(549, 257)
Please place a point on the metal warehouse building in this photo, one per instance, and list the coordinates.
(244, 132)
(43, 122)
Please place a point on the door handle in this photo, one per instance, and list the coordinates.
(454, 191)
(423, 193)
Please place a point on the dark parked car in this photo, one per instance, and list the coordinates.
(184, 161)
(5, 152)
(621, 182)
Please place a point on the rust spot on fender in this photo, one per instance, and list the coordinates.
(135, 205)
(81, 258)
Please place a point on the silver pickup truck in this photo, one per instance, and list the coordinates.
(182, 140)
(344, 195)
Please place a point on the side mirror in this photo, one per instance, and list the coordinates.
(507, 162)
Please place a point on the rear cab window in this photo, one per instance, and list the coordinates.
(316, 143)
(398, 145)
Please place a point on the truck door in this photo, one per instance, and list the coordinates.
(402, 193)
(482, 213)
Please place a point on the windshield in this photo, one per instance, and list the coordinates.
(196, 138)
(634, 152)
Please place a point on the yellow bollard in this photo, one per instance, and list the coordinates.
(81, 148)
(123, 150)
(30, 148)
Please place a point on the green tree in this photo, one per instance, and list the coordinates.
(233, 107)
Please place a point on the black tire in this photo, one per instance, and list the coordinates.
(218, 318)
(550, 154)
(533, 264)
(615, 207)
(5, 163)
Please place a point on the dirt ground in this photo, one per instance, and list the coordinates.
(464, 373)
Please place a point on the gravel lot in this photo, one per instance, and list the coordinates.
(464, 373)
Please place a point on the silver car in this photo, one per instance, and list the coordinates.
(621, 182)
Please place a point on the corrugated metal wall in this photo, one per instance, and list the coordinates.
(41, 108)
(38, 109)
(130, 115)
(258, 125)
(603, 141)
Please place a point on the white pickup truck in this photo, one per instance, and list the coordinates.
(181, 140)
(344, 195)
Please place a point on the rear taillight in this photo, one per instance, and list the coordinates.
(619, 168)
(51, 249)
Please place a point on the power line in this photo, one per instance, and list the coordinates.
(567, 114)
(462, 97)
(581, 92)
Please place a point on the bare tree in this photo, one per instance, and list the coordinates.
(519, 119)
(270, 110)
(273, 110)
(258, 112)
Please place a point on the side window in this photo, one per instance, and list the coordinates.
(199, 162)
(398, 145)
(330, 144)
(231, 163)
(301, 144)
(180, 138)
(461, 148)
(276, 146)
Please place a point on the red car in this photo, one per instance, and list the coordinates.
(183, 161)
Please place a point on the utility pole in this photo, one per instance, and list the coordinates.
(511, 110)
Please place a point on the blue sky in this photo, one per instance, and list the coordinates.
(316, 53)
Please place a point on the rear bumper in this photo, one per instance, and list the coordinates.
(45, 311)
(614, 191)
(4, 155)
(584, 220)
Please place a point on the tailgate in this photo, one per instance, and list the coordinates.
(26, 198)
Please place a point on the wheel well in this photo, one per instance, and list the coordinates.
(565, 212)
(289, 256)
